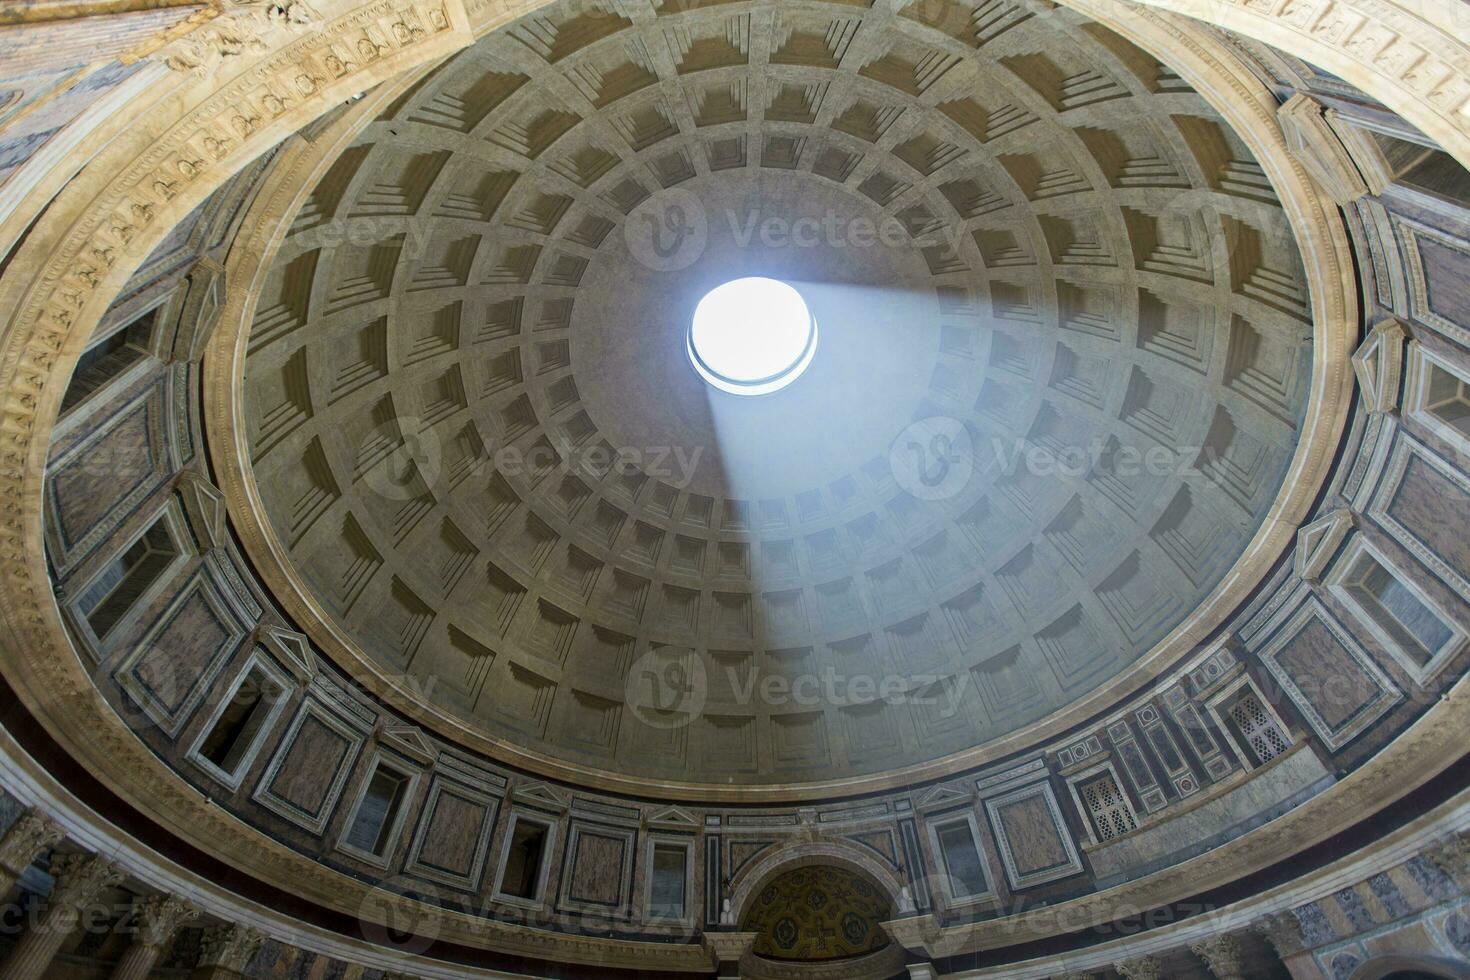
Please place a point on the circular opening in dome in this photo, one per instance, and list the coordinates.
(752, 336)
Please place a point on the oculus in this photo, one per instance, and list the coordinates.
(752, 336)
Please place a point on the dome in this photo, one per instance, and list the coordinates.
(804, 489)
(1065, 357)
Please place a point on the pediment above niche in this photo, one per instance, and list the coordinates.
(411, 741)
(292, 649)
(1379, 365)
(940, 796)
(672, 818)
(542, 795)
(1318, 541)
(205, 506)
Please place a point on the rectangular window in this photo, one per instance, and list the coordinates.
(107, 359)
(524, 856)
(376, 819)
(1395, 608)
(1255, 729)
(1448, 399)
(666, 887)
(1437, 395)
(235, 730)
(962, 862)
(1425, 168)
(1416, 633)
(1107, 808)
(108, 599)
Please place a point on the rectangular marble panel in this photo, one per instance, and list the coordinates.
(1338, 688)
(311, 766)
(1035, 845)
(1231, 813)
(100, 481)
(168, 671)
(1424, 500)
(597, 874)
(1438, 268)
(453, 833)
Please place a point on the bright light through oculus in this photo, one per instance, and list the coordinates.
(752, 336)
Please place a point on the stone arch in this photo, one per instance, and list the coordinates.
(1411, 968)
(842, 854)
(1411, 55)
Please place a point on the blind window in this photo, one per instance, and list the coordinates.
(378, 811)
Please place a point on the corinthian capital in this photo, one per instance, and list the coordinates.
(230, 946)
(1452, 854)
(1282, 931)
(31, 833)
(80, 878)
(1140, 968)
(1221, 954)
(158, 917)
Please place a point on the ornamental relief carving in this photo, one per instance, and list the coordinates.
(1410, 55)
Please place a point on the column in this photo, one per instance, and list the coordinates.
(31, 833)
(1222, 955)
(228, 949)
(1284, 934)
(155, 920)
(1140, 968)
(80, 878)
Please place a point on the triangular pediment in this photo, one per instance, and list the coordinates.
(1379, 365)
(1318, 541)
(673, 817)
(542, 795)
(939, 796)
(411, 741)
(205, 506)
(292, 648)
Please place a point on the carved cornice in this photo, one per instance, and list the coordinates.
(727, 947)
(1412, 57)
(875, 966)
(1452, 855)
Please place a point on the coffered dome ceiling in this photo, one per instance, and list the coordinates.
(475, 430)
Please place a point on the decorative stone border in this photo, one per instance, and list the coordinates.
(1411, 55)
